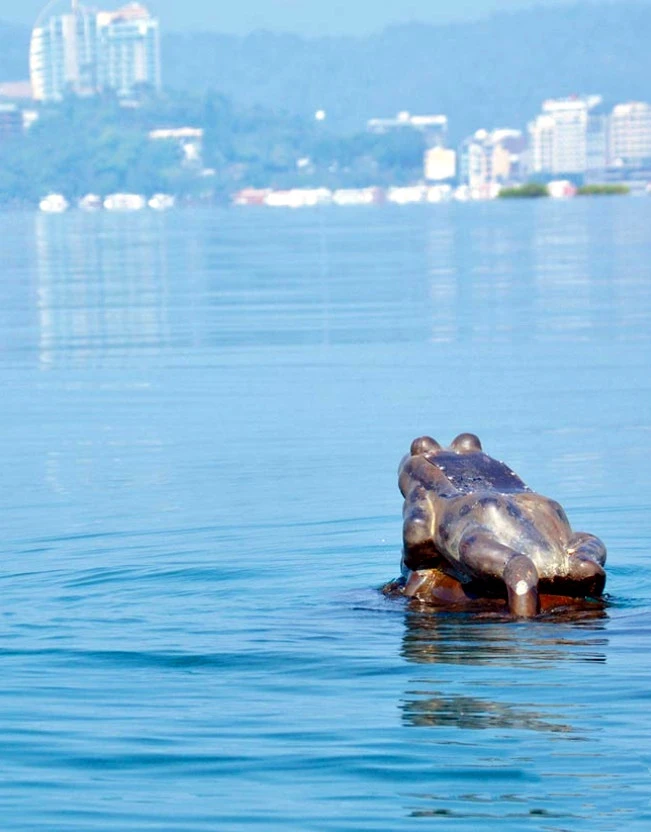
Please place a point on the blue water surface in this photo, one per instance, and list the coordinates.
(202, 415)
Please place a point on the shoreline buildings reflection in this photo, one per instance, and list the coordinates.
(102, 286)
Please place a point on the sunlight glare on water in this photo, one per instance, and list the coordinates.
(202, 418)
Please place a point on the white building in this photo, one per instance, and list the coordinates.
(83, 51)
(435, 127)
(569, 136)
(129, 50)
(63, 55)
(630, 134)
(440, 164)
(189, 139)
(491, 158)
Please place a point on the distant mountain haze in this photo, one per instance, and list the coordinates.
(490, 73)
(305, 17)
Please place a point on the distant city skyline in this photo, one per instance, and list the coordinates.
(305, 17)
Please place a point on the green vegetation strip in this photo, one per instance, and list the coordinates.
(599, 190)
(530, 190)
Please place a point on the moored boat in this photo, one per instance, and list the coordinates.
(90, 202)
(53, 204)
(161, 202)
(124, 202)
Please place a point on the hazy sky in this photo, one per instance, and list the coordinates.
(302, 16)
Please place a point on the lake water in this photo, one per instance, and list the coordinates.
(202, 416)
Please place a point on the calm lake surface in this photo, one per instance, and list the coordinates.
(202, 416)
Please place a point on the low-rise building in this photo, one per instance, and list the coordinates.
(440, 164)
(434, 127)
(189, 139)
(491, 158)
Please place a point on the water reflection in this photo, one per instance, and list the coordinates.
(455, 274)
(102, 283)
(438, 709)
(514, 650)
(469, 639)
(545, 273)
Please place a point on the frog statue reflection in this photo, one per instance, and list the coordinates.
(474, 531)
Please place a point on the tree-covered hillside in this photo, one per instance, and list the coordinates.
(94, 145)
(491, 73)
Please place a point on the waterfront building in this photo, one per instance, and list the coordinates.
(491, 158)
(630, 135)
(474, 164)
(84, 52)
(569, 136)
(541, 143)
(440, 164)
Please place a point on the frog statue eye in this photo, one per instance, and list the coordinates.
(424, 445)
(466, 443)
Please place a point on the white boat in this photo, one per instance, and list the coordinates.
(124, 202)
(561, 189)
(53, 204)
(356, 196)
(161, 202)
(406, 195)
(298, 198)
(90, 202)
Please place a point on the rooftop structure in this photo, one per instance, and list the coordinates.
(16, 90)
(435, 127)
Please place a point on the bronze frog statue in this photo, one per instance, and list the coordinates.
(473, 530)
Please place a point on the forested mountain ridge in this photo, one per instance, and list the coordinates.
(490, 73)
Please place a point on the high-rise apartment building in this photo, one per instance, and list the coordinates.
(128, 46)
(63, 55)
(84, 52)
(630, 134)
(569, 136)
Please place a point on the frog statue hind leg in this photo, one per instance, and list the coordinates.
(486, 558)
